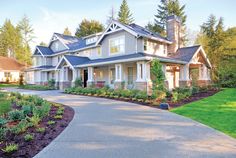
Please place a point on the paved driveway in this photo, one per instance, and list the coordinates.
(104, 128)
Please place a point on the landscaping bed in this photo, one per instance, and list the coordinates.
(177, 97)
(30, 124)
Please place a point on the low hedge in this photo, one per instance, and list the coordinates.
(107, 92)
(36, 87)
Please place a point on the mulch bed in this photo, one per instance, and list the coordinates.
(193, 98)
(41, 140)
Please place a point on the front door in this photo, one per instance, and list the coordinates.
(85, 77)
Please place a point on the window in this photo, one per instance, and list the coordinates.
(145, 45)
(99, 51)
(91, 40)
(117, 45)
(141, 71)
(7, 74)
(130, 75)
(165, 49)
(112, 75)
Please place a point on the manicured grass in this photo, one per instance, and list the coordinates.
(3, 85)
(4, 104)
(218, 111)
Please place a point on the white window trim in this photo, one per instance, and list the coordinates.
(118, 53)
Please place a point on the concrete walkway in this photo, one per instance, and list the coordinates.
(104, 128)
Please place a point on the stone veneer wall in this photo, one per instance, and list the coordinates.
(185, 83)
(64, 85)
(202, 83)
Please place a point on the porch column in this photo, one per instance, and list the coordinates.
(90, 81)
(119, 76)
(184, 76)
(57, 77)
(143, 81)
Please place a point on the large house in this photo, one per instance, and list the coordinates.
(10, 69)
(121, 55)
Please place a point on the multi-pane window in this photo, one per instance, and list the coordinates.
(141, 71)
(112, 75)
(7, 74)
(99, 51)
(130, 75)
(117, 45)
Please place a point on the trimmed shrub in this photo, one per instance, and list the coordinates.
(28, 137)
(51, 83)
(16, 115)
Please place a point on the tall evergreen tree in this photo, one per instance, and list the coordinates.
(27, 33)
(11, 40)
(67, 31)
(165, 9)
(88, 27)
(26, 30)
(213, 39)
(124, 15)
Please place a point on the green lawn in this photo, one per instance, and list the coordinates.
(4, 104)
(3, 85)
(218, 111)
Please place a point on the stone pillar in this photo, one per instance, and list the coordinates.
(90, 81)
(184, 80)
(204, 76)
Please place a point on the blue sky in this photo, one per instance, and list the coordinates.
(48, 16)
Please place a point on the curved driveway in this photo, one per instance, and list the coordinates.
(104, 128)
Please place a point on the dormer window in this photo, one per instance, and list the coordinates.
(91, 40)
(145, 45)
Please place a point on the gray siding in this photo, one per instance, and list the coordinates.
(130, 43)
(57, 46)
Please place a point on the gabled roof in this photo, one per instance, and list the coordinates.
(76, 60)
(10, 64)
(185, 53)
(133, 29)
(43, 50)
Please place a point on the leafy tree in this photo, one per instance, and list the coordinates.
(158, 78)
(124, 15)
(88, 27)
(67, 31)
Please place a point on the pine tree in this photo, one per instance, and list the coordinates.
(67, 31)
(88, 27)
(165, 9)
(11, 40)
(26, 30)
(213, 38)
(124, 15)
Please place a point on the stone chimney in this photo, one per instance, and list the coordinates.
(173, 29)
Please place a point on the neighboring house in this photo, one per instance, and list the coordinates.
(10, 69)
(121, 55)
